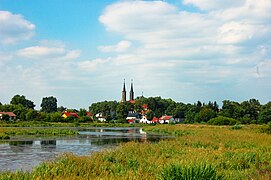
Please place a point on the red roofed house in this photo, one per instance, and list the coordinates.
(10, 114)
(155, 120)
(69, 114)
(166, 119)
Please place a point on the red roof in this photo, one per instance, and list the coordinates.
(89, 114)
(145, 106)
(11, 114)
(68, 114)
(155, 119)
(165, 118)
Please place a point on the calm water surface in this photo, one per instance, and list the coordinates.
(25, 153)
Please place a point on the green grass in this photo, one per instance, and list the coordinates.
(11, 132)
(198, 152)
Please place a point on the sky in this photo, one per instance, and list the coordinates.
(188, 50)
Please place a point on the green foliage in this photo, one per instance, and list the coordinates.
(236, 126)
(49, 104)
(266, 128)
(220, 120)
(189, 172)
(21, 100)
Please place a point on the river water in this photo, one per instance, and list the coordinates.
(24, 153)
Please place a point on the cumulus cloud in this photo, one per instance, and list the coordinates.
(43, 52)
(223, 44)
(120, 47)
(14, 28)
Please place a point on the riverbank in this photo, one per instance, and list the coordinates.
(207, 151)
(9, 132)
(62, 124)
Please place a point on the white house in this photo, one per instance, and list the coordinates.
(100, 117)
(144, 120)
(166, 119)
(133, 117)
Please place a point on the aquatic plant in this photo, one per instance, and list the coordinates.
(204, 151)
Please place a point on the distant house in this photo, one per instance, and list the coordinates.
(133, 117)
(144, 120)
(155, 120)
(90, 115)
(100, 117)
(166, 119)
(10, 114)
(69, 114)
(179, 120)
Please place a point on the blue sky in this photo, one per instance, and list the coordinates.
(79, 51)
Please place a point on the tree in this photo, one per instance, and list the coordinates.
(49, 104)
(17, 99)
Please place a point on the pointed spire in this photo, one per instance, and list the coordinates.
(132, 91)
(123, 94)
(124, 89)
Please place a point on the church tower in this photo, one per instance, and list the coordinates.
(132, 91)
(123, 94)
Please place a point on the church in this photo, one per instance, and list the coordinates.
(123, 94)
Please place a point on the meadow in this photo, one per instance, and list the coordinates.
(9, 132)
(197, 152)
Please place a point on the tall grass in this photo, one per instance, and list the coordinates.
(9, 132)
(202, 152)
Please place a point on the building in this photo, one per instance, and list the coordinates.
(69, 114)
(10, 114)
(100, 117)
(123, 93)
(166, 119)
(144, 120)
(133, 117)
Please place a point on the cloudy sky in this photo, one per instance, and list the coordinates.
(80, 51)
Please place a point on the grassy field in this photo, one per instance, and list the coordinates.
(9, 132)
(197, 152)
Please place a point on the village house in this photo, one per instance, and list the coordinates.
(66, 114)
(100, 117)
(11, 115)
(166, 119)
(155, 120)
(133, 117)
(144, 120)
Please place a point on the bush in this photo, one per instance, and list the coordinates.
(190, 172)
(221, 120)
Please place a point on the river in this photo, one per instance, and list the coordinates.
(24, 153)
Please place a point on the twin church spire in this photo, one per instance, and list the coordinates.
(123, 97)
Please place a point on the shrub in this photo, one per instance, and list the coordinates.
(189, 172)
(221, 120)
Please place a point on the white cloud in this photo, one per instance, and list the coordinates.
(14, 28)
(120, 47)
(44, 52)
(214, 4)
(223, 44)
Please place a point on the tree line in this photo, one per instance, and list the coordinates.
(246, 112)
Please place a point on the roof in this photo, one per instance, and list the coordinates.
(155, 119)
(133, 114)
(72, 114)
(11, 114)
(165, 118)
(145, 106)
(89, 114)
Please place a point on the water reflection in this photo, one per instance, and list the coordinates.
(25, 154)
